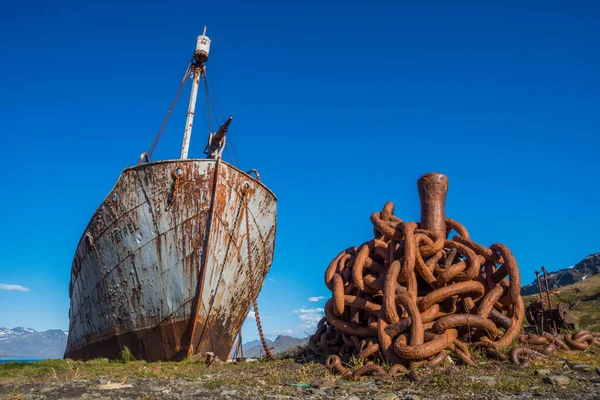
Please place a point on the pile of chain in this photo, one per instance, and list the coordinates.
(410, 294)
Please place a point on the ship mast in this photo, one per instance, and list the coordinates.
(198, 69)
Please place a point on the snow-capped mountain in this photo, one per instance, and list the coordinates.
(22, 342)
(576, 273)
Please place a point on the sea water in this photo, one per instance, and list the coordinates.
(23, 360)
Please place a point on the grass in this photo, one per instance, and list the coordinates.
(268, 374)
(60, 370)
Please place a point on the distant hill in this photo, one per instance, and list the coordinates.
(250, 345)
(28, 343)
(281, 343)
(577, 273)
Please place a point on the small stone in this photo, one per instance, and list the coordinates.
(353, 398)
(113, 386)
(414, 376)
(322, 384)
(557, 380)
(229, 392)
(487, 380)
(46, 389)
(214, 363)
(582, 367)
(451, 370)
(411, 396)
(543, 372)
(385, 396)
(317, 392)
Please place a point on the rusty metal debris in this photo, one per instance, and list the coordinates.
(410, 294)
(541, 314)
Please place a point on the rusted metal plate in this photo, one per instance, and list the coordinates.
(138, 270)
(225, 299)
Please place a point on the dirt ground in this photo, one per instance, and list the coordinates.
(559, 378)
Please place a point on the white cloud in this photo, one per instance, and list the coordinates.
(251, 315)
(316, 298)
(271, 279)
(17, 288)
(309, 317)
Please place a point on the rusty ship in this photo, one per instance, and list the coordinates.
(171, 261)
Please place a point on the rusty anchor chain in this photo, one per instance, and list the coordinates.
(411, 296)
(253, 291)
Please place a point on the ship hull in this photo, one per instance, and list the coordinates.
(163, 265)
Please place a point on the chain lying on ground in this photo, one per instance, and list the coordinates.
(409, 295)
(539, 346)
(253, 292)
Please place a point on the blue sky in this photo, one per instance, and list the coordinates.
(340, 106)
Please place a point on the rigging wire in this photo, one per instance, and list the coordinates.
(206, 109)
(230, 141)
(169, 113)
(207, 104)
(216, 98)
(209, 101)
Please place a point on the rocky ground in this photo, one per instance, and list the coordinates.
(561, 378)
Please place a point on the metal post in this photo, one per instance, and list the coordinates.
(539, 283)
(547, 286)
(432, 193)
(189, 121)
